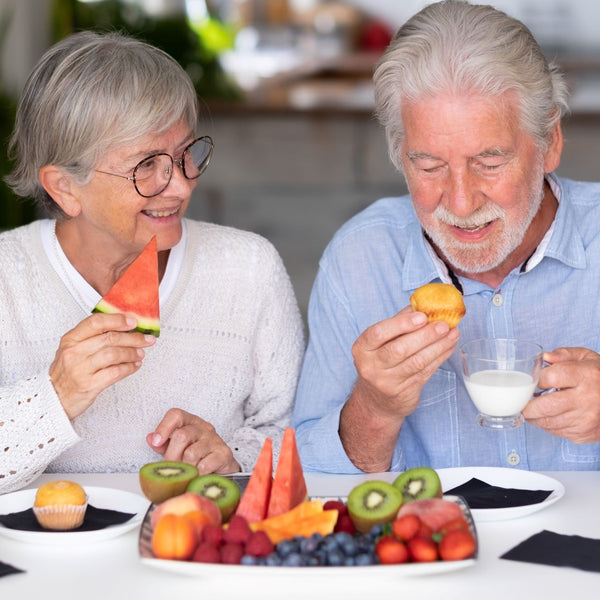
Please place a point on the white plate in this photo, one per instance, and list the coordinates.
(99, 497)
(217, 570)
(508, 478)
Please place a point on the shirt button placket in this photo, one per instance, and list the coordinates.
(513, 459)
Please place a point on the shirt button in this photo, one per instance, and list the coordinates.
(498, 300)
(513, 459)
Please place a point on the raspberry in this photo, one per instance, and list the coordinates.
(213, 534)
(344, 523)
(238, 531)
(336, 505)
(206, 553)
(259, 544)
(231, 554)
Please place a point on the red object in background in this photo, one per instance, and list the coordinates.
(375, 37)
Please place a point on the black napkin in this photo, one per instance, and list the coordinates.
(550, 548)
(95, 518)
(6, 569)
(479, 494)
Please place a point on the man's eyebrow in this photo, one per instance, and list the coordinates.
(415, 155)
(494, 151)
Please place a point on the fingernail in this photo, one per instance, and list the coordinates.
(418, 318)
(441, 327)
(140, 353)
(156, 439)
(149, 338)
(131, 322)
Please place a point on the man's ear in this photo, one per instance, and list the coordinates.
(58, 185)
(554, 151)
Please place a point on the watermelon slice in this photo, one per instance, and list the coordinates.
(289, 486)
(255, 499)
(136, 292)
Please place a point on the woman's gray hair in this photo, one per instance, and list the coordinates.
(460, 48)
(89, 93)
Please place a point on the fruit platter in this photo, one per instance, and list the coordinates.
(200, 525)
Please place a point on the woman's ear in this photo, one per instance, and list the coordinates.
(59, 187)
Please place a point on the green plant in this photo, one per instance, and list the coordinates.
(172, 33)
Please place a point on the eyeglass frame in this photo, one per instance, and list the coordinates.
(174, 161)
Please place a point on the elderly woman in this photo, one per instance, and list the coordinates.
(106, 141)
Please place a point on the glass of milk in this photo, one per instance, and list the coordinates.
(501, 375)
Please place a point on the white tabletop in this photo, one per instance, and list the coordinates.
(112, 569)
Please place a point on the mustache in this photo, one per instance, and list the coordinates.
(484, 214)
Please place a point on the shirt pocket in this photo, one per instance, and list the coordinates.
(432, 433)
(580, 456)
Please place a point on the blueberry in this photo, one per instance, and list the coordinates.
(335, 558)
(286, 547)
(294, 559)
(347, 544)
(363, 559)
(249, 560)
(309, 545)
(273, 560)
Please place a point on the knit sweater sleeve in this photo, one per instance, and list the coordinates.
(34, 430)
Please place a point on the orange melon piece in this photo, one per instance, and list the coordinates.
(287, 519)
(322, 522)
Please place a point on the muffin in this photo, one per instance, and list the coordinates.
(60, 505)
(440, 302)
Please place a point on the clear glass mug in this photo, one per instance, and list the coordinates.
(501, 375)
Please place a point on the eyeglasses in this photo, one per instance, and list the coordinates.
(152, 175)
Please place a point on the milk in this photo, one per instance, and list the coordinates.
(500, 393)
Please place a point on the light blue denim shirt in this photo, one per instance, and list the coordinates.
(368, 272)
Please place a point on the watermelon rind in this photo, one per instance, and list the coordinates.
(144, 324)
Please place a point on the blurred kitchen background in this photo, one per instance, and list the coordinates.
(286, 94)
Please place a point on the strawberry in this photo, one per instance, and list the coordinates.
(259, 544)
(231, 553)
(457, 544)
(206, 553)
(458, 523)
(238, 531)
(422, 549)
(391, 551)
(406, 527)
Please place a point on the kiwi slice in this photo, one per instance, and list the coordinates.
(165, 479)
(418, 483)
(373, 502)
(223, 491)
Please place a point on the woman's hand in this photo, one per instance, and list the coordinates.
(573, 410)
(185, 437)
(98, 352)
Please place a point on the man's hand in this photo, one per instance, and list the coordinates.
(394, 359)
(573, 410)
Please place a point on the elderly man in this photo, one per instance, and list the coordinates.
(472, 113)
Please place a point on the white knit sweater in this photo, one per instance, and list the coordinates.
(229, 351)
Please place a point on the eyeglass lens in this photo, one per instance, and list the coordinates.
(153, 174)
